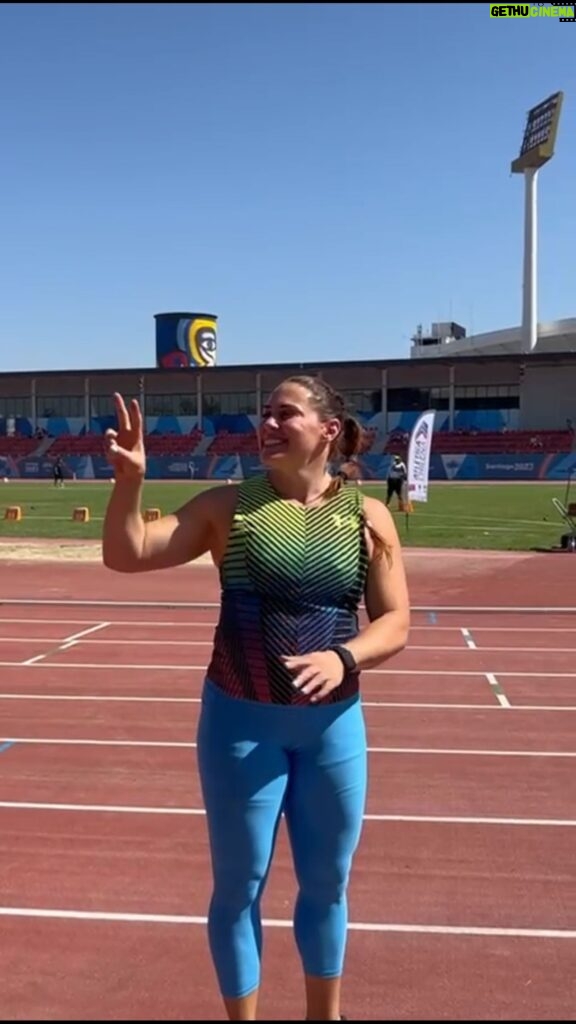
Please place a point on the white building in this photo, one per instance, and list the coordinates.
(449, 339)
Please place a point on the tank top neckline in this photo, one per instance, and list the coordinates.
(318, 503)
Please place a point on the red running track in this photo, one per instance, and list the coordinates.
(463, 898)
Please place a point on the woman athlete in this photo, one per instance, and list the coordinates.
(281, 729)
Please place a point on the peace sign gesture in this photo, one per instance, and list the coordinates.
(125, 446)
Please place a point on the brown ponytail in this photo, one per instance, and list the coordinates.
(381, 547)
(351, 438)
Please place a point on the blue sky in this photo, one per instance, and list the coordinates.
(323, 177)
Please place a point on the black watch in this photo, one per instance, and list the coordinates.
(346, 657)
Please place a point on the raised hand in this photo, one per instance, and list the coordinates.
(125, 446)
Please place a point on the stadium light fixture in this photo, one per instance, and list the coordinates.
(536, 150)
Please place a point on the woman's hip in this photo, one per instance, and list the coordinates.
(225, 718)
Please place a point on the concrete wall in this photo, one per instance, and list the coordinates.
(548, 396)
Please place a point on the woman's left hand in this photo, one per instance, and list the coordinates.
(317, 673)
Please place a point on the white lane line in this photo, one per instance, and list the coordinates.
(470, 639)
(85, 632)
(145, 667)
(55, 644)
(137, 642)
(188, 745)
(185, 624)
(186, 919)
(388, 704)
(187, 605)
(497, 690)
(426, 819)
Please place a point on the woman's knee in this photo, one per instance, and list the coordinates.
(324, 882)
(237, 891)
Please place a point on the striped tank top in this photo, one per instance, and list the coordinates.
(291, 578)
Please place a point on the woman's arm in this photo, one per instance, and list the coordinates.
(128, 543)
(131, 545)
(386, 595)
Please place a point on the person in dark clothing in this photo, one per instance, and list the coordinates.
(58, 473)
(397, 475)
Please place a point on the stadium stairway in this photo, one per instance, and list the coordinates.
(43, 447)
(203, 445)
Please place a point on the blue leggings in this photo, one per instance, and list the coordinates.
(257, 761)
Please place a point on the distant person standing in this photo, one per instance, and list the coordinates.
(397, 476)
(58, 473)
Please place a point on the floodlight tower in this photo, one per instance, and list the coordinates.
(537, 149)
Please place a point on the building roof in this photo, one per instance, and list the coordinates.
(558, 337)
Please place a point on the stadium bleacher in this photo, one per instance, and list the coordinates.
(218, 439)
